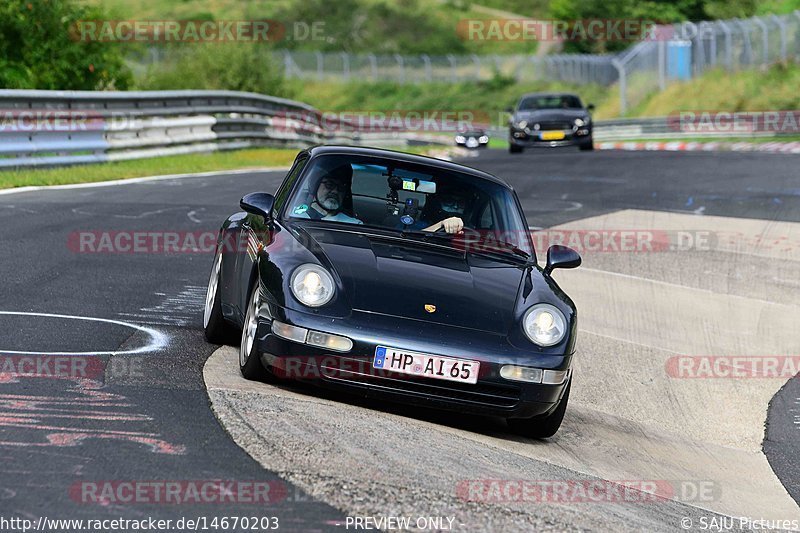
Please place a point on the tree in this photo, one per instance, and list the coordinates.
(39, 50)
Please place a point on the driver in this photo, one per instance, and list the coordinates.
(330, 197)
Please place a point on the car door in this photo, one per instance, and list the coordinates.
(254, 233)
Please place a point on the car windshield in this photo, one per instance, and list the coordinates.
(409, 198)
(557, 101)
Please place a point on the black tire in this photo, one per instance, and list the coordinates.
(514, 149)
(249, 357)
(587, 147)
(217, 330)
(541, 427)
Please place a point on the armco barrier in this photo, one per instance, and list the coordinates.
(49, 128)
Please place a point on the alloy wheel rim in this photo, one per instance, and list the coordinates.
(211, 292)
(249, 330)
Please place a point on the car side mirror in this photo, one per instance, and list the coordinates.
(561, 257)
(258, 203)
(590, 107)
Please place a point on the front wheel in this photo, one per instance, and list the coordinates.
(514, 149)
(249, 360)
(542, 427)
(216, 328)
(587, 146)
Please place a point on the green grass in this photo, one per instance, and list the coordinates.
(179, 164)
(488, 98)
(769, 89)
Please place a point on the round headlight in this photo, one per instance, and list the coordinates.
(522, 124)
(580, 122)
(312, 285)
(544, 325)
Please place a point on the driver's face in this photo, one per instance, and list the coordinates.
(452, 204)
(330, 193)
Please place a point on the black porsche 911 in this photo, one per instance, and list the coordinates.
(544, 120)
(400, 277)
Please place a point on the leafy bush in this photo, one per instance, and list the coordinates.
(222, 66)
(37, 50)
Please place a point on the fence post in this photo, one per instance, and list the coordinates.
(428, 72)
(796, 38)
(782, 28)
(662, 64)
(401, 64)
(477, 61)
(287, 64)
(748, 48)
(728, 44)
(346, 65)
(318, 54)
(373, 66)
(453, 68)
(764, 38)
(623, 104)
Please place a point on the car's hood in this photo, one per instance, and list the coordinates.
(404, 278)
(546, 115)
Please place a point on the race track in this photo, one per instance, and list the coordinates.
(144, 412)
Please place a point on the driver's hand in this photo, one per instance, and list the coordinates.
(452, 224)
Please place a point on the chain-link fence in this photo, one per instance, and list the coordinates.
(694, 48)
(575, 68)
(677, 52)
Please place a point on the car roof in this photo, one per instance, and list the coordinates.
(549, 94)
(408, 158)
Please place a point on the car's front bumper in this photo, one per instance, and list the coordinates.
(353, 371)
(533, 139)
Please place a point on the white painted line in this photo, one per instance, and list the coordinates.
(157, 341)
(144, 179)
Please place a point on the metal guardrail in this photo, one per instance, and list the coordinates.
(659, 128)
(49, 128)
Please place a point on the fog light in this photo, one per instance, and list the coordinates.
(521, 373)
(554, 377)
(331, 342)
(583, 132)
(288, 332)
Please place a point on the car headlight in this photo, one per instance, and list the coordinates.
(582, 121)
(460, 138)
(483, 139)
(312, 285)
(544, 325)
(522, 124)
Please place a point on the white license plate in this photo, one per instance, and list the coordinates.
(429, 366)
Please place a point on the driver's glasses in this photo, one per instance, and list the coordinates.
(334, 185)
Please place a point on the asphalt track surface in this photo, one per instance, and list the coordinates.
(150, 419)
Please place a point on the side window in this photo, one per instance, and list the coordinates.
(288, 183)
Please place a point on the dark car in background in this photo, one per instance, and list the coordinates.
(550, 120)
(378, 299)
(472, 139)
